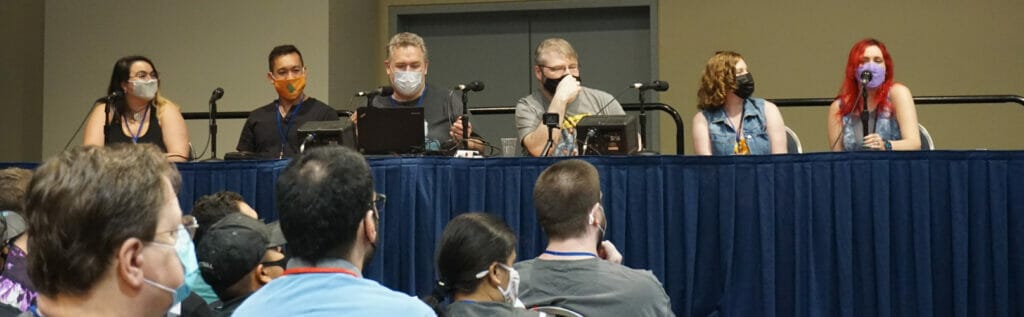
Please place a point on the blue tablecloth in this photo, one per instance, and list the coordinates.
(845, 234)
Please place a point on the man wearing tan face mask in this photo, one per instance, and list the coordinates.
(271, 130)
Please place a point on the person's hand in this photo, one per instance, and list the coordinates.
(608, 252)
(874, 142)
(455, 131)
(354, 117)
(568, 89)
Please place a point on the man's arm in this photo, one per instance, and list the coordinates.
(567, 91)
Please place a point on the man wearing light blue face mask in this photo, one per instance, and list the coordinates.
(103, 242)
(406, 66)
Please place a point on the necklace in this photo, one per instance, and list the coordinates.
(136, 117)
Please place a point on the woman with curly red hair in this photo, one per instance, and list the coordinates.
(891, 114)
(731, 122)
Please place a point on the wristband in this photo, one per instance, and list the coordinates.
(888, 145)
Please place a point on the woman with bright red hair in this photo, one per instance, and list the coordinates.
(891, 115)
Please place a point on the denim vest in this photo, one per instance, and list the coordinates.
(882, 120)
(723, 136)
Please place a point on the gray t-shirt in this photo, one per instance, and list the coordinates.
(438, 110)
(486, 309)
(530, 110)
(592, 287)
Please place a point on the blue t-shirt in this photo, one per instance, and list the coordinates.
(723, 134)
(329, 294)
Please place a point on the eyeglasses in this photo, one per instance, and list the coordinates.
(173, 233)
(380, 202)
(294, 72)
(283, 262)
(145, 75)
(561, 69)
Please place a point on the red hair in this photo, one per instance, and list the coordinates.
(850, 90)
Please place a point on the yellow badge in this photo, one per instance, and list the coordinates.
(740, 148)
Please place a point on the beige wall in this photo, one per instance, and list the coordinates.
(196, 45)
(795, 49)
(798, 49)
(21, 79)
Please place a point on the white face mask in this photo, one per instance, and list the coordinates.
(511, 293)
(408, 82)
(145, 89)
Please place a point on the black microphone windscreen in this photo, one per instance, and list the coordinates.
(387, 91)
(660, 85)
(865, 76)
(477, 85)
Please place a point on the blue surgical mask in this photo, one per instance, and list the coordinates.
(179, 293)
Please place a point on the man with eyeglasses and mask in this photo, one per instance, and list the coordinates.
(578, 269)
(406, 65)
(558, 72)
(331, 218)
(271, 131)
(104, 224)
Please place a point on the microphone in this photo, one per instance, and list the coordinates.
(865, 77)
(475, 85)
(656, 85)
(382, 91)
(217, 94)
(114, 95)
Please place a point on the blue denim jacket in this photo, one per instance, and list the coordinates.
(723, 136)
(853, 135)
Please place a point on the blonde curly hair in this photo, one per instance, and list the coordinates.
(718, 79)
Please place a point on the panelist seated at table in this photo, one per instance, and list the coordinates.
(138, 113)
(731, 121)
(558, 73)
(271, 131)
(891, 113)
(406, 64)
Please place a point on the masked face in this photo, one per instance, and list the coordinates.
(744, 86)
(551, 85)
(178, 293)
(290, 88)
(408, 82)
(511, 291)
(145, 88)
(877, 74)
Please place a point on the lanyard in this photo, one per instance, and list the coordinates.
(308, 270)
(135, 136)
(743, 113)
(284, 133)
(419, 103)
(559, 253)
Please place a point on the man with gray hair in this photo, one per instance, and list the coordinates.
(557, 69)
(406, 65)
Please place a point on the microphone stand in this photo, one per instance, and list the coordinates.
(465, 120)
(213, 131)
(864, 112)
(643, 126)
(551, 140)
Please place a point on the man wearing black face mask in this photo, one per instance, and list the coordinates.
(557, 70)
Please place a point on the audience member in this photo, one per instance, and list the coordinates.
(231, 258)
(474, 268)
(103, 224)
(330, 216)
(571, 272)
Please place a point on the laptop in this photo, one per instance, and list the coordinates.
(384, 131)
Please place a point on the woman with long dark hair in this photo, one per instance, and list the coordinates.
(474, 266)
(891, 113)
(138, 114)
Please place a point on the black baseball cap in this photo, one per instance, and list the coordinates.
(231, 249)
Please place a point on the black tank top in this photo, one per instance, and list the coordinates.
(155, 135)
